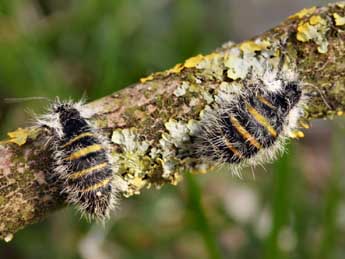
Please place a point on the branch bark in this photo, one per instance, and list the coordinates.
(148, 122)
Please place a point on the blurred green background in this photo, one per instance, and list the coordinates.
(294, 208)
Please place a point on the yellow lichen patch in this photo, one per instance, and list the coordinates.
(315, 19)
(303, 12)
(341, 4)
(340, 113)
(251, 46)
(315, 29)
(189, 63)
(303, 32)
(176, 69)
(193, 61)
(277, 53)
(339, 20)
(297, 134)
(305, 124)
(243, 59)
(145, 79)
(19, 136)
(212, 56)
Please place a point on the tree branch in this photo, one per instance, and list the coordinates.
(149, 122)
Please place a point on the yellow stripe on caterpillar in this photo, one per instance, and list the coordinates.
(86, 171)
(85, 151)
(232, 148)
(80, 136)
(244, 133)
(261, 119)
(97, 185)
(266, 102)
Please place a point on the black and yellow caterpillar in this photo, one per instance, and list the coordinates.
(81, 161)
(253, 123)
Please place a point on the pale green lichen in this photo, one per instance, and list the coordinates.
(207, 97)
(237, 66)
(314, 29)
(193, 127)
(166, 146)
(132, 163)
(178, 132)
(207, 110)
(167, 151)
(194, 102)
(182, 89)
(339, 20)
(194, 88)
(212, 66)
(239, 61)
(128, 140)
(169, 167)
(20, 136)
(341, 4)
(201, 90)
(138, 160)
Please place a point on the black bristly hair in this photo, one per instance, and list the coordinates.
(81, 160)
(250, 127)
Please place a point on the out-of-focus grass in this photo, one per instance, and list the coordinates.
(67, 48)
(199, 219)
(280, 196)
(333, 196)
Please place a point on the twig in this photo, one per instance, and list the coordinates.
(149, 122)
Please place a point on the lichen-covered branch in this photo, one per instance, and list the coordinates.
(150, 122)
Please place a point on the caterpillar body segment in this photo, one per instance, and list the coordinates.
(81, 161)
(251, 127)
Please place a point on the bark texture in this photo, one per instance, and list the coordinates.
(150, 122)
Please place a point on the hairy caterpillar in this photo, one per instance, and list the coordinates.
(81, 159)
(251, 126)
